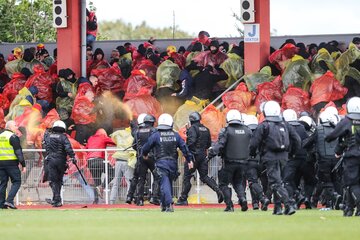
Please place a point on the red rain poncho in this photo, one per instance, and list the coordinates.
(43, 81)
(269, 91)
(239, 99)
(213, 119)
(138, 84)
(326, 88)
(82, 112)
(296, 99)
(109, 79)
(13, 87)
(144, 104)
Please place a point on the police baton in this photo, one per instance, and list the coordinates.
(81, 175)
(128, 147)
(338, 164)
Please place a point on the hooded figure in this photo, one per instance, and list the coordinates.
(66, 89)
(98, 61)
(28, 61)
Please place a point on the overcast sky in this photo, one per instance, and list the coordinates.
(300, 17)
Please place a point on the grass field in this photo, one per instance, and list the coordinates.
(184, 224)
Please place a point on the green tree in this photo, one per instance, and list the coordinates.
(120, 30)
(26, 21)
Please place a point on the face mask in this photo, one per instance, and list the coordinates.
(214, 51)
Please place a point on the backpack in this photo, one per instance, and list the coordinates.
(277, 138)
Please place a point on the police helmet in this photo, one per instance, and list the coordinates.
(194, 117)
(290, 115)
(325, 116)
(59, 124)
(165, 121)
(251, 121)
(332, 110)
(353, 108)
(149, 119)
(140, 119)
(272, 111)
(233, 116)
(307, 121)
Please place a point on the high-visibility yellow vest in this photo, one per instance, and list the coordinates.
(6, 150)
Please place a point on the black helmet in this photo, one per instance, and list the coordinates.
(194, 117)
(149, 119)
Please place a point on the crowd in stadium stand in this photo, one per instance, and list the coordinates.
(141, 79)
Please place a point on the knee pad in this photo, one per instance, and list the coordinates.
(355, 193)
(275, 186)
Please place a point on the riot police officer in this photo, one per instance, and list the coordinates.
(296, 166)
(165, 142)
(144, 131)
(198, 140)
(326, 160)
(348, 129)
(253, 172)
(273, 138)
(57, 147)
(233, 143)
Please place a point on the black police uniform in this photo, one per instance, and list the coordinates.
(233, 145)
(253, 172)
(297, 168)
(348, 129)
(57, 147)
(10, 157)
(165, 143)
(142, 166)
(328, 183)
(198, 141)
(274, 148)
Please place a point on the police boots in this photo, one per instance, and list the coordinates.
(264, 204)
(244, 205)
(277, 209)
(289, 210)
(181, 202)
(154, 201)
(229, 208)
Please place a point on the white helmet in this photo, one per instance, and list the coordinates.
(233, 116)
(59, 124)
(306, 119)
(140, 119)
(251, 121)
(326, 116)
(272, 111)
(353, 108)
(262, 106)
(290, 115)
(165, 121)
(332, 110)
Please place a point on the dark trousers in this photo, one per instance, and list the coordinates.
(14, 174)
(351, 175)
(56, 170)
(202, 166)
(252, 174)
(231, 173)
(138, 181)
(166, 180)
(274, 178)
(294, 170)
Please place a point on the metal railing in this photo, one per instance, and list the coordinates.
(34, 191)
